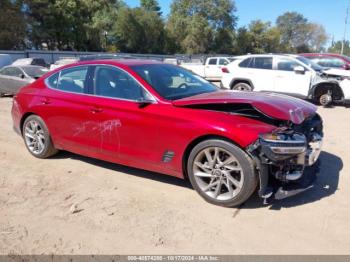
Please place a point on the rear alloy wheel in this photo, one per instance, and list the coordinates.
(242, 87)
(37, 138)
(221, 173)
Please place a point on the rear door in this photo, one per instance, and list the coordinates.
(290, 82)
(260, 73)
(69, 111)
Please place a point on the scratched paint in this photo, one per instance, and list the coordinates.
(104, 127)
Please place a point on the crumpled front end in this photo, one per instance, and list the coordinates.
(285, 157)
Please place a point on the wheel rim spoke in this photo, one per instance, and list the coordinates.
(235, 182)
(203, 174)
(34, 137)
(218, 173)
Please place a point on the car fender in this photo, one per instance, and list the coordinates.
(345, 87)
(334, 83)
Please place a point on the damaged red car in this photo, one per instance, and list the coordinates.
(163, 118)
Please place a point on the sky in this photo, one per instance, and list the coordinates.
(329, 13)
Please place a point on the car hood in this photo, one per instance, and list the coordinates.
(273, 105)
(337, 72)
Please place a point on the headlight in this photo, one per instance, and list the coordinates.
(280, 146)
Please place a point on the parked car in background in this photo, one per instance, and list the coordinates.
(12, 78)
(63, 62)
(5, 60)
(30, 61)
(163, 118)
(289, 74)
(329, 60)
(211, 69)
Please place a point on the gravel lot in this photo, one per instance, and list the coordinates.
(120, 210)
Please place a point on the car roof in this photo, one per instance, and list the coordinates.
(126, 62)
(264, 55)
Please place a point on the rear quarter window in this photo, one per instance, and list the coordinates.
(70, 80)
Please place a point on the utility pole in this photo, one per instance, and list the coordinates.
(345, 28)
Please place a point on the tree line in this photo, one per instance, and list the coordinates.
(192, 27)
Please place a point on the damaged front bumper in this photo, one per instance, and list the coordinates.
(286, 159)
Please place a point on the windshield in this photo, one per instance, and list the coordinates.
(310, 63)
(173, 82)
(34, 71)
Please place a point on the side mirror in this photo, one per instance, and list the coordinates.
(346, 67)
(143, 102)
(22, 76)
(299, 70)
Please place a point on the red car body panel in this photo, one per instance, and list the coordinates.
(273, 105)
(123, 132)
(343, 58)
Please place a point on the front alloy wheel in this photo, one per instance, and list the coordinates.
(221, 173)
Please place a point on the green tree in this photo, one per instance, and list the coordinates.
(317, 37)
(12, 33)
(299, 35)
(139, 31)
(151, 5)
(69, 24)
(336, 48)
(217, 19)
(294, 29)
(259, 38)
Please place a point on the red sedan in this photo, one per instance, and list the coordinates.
(329, 60)
(165, 119)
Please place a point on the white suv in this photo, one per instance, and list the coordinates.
(289, 74)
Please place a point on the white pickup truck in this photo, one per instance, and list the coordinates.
(211, 69)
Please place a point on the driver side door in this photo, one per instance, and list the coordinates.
(128, 129)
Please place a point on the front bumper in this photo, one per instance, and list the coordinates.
(284, 172)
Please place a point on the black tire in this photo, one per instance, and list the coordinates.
(250, 180)
(241, 86)
(48, 148)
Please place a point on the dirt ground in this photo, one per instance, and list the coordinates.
(120, 210)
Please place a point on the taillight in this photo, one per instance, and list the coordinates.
(225, 70)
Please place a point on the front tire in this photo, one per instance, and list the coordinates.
(37, 138)
(222, 173)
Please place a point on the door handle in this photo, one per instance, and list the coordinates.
(95, 110)
(45, 101)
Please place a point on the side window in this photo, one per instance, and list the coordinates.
(12, 71)
(72, 79)
(212, 61)
(285, 64)
(245, 63)
(115, 83)
(38, 61)
(5, 71)
(223, 61)
(16, 72)
(53, 80)
(262, 63)
(331, 62)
